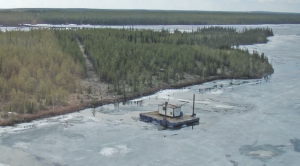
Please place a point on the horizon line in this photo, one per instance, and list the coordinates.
(178, 10)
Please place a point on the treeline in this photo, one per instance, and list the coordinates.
(41, 68)
(132, 59)
(38, 68)
(220, 37)
(14, 17)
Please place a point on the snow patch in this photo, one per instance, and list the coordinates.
(21, 145)
(123, 149)
(111, 152)
(108, 152)
(163, 94)
(79, 158)
(3, 164)
(224, 106)
(63, 119)
(262, 153)
(217, 92)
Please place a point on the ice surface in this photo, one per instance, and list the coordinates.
(253, 122)
(3, 164)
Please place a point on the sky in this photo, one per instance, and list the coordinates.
(292, 6)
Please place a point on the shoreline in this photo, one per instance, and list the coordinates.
(93, 104)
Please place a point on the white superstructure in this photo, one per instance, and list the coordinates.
(169, 110)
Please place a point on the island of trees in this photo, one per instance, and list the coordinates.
(44, 69)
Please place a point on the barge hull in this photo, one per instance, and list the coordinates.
(168, 121)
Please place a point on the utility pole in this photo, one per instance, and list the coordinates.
(166, 105)
(193, 106)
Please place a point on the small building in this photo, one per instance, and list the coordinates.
(170, 115)
(170, 111)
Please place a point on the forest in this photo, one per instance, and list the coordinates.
(17, 17)
(43, 68)
(37, 69)
(134, 59)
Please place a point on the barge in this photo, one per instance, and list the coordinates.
(170, 115)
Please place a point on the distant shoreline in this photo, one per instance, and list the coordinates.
(14, 17)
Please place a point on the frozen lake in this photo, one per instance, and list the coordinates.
(252, 122)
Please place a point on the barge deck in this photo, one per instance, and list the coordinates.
(168, 121)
